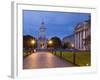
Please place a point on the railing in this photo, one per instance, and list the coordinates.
(81, 58)
(77, 57)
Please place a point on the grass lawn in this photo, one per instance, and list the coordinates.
(81, 58)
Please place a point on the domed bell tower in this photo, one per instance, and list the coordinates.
(42, 41)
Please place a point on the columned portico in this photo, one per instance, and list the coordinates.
(82, 31)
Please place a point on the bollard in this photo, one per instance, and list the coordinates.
(55, 52)
(74, 56)
(60, 53)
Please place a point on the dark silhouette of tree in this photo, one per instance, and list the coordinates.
(56, 42)
(27, 42)
(67, 45)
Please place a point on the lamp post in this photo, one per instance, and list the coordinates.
(50, 43)
(74, 55)
(33, 42)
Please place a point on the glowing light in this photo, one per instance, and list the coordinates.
(87, 64)
(33, 41)
(50, 42)
(72, 45)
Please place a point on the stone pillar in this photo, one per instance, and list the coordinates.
(75, 41)
(78, 40)
(84, 39)
(81, 40)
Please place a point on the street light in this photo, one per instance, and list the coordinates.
(50, 42)
(74, 55)
(33, 43)
(72, 45)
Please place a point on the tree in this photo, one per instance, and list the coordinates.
(56, 42)
(27, 42)
(67, 45)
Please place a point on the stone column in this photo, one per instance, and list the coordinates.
(84, 39)
(78, 40)
(75, 40)
(81, 40)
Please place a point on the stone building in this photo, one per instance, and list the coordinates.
(42, 41)
(82, 36)
(69, 39)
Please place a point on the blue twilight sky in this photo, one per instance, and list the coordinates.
(59, 24)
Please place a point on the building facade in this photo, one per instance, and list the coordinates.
(42, 41)
(82, 36)
(69, 39)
